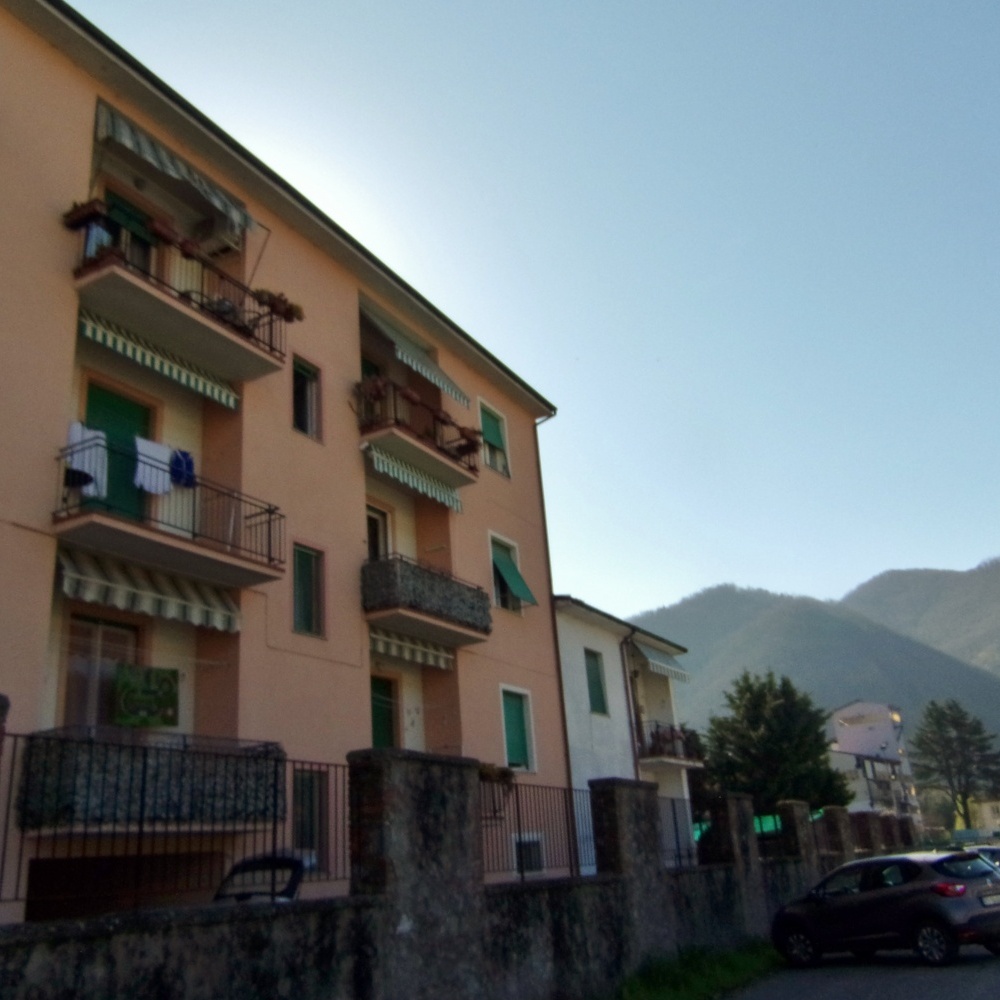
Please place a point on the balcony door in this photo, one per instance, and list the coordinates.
(383, 712)
(122, 420)
(96, 648)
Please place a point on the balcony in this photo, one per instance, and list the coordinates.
(177, 298)
(663, 743)
(398, 421)
(81, 777)
(406, 597)
(196, 528)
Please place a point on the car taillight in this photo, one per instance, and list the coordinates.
(949, 888)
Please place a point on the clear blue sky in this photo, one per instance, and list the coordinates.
(749, 249)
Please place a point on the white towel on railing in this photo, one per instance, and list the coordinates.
(88, 453)
(152, 466)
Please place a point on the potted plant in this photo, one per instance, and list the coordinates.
(84, 213)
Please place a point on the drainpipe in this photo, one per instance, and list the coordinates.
(632, 701)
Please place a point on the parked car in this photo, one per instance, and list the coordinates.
(930, 902)
(271, 878)
(989, 851)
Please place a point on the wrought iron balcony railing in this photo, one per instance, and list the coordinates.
(92, 776)
(176, 266)
(397, 582)
(97, 476)
(383, 403)
(658, 739)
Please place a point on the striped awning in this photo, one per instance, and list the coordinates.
(404, 647)
(409, 475)
(419, 360)
(130, 345)
(113, 126)
(661, 663)
(99, 580)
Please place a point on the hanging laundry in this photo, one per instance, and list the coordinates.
(182, 468)
(152, 466)
(87, 457)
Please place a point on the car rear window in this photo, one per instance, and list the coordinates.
(964, 866)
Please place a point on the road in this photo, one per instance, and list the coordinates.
(892, 976)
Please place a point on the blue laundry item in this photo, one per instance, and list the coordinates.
(182, 468)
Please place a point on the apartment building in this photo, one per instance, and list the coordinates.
(256, 487)
(622, 714)
(867, 746)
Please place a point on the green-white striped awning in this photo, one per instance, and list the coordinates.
(661, 663)
(100, 580)
(419, 360)
(409, 475)
(112, 126)
(133, 347)
(404, 647)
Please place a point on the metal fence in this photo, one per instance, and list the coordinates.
(102, 819)
(677, 844)
(533, 830)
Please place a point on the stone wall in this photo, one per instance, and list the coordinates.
(420, 923)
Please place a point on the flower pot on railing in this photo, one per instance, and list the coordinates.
(84, 213)
(189, 248)
(279, 305)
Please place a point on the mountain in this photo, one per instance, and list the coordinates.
(828, 649)
(955, 612)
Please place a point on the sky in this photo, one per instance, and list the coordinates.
(748, 248)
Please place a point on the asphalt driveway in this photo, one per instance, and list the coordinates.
(898, 975)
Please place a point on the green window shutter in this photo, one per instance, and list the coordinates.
(306, 584)
(492, 429)
(515, 724)
(595, 682)
(507, 568)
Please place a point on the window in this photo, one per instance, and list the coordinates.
(528, 855)
(509, 588)
(307, 584)
(595, 682)
(305, 398)
(378, 533)
(96, 651)
(310, 811)
(494, 441)
(516, 729)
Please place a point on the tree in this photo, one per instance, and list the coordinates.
(773, 746)
(953, 753)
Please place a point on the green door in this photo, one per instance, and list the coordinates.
(383, 712)
(121, 420)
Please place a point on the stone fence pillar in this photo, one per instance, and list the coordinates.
(837, 835)
(867, 830)
(627, 843)
(416, 842)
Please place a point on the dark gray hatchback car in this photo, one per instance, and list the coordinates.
(932, 903)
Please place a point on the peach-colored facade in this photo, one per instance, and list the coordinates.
(344, 467)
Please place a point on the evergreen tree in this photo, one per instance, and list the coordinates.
(773, 746)
(953, 753)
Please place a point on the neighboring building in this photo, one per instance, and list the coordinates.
(621, 710)
(256, 487)
(866, 745)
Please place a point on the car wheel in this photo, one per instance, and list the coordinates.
(797, 946)
(934, 943)
(993, 947)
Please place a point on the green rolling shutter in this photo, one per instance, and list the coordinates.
(492, 429)
(515, 724)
